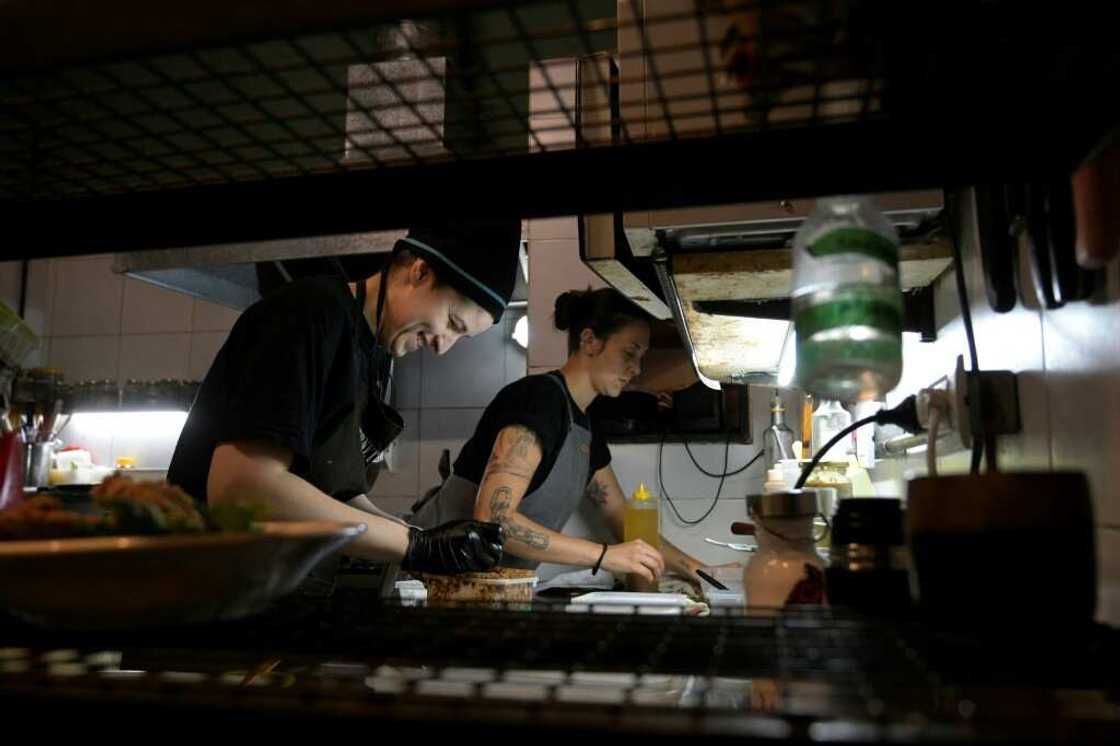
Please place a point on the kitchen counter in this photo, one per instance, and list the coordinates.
(352, 663)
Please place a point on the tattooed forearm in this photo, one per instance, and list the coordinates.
(524, 534)
(596, 493)
(499, 513)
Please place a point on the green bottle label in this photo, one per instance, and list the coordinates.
(845, 312)
(813, 357)
(856, 241)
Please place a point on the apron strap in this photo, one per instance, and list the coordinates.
(567, 397)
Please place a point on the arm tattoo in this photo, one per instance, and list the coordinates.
(499, 504)
(525, 438)
(596, 493)
(499, 513)
(526, 535)
(511, 452)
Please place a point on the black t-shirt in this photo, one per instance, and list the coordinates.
(292, 372)
(539, 404)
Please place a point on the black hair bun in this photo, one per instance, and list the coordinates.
(564, 309)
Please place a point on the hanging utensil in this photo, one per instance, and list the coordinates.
(1039, 235)
(1071, 282)
(997, 246)
(1096, 196)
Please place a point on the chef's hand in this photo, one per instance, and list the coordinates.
(635, 557)
(455, 547)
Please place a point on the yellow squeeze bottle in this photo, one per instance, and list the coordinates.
(643, 517)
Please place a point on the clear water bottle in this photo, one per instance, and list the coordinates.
(847, 306)
(829, 419)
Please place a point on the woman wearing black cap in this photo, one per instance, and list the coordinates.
(292, 413)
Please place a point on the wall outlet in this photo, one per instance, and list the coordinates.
(997, 391)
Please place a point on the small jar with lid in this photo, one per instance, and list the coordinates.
(786, 569)
(868, 563)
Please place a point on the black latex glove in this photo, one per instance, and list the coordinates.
(455, 547)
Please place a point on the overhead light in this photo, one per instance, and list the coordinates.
(521, 332)
(153, 424)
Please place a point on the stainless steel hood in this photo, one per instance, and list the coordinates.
(228, 273)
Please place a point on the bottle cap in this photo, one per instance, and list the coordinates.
(642, 494)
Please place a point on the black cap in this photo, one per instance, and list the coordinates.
(477, 258)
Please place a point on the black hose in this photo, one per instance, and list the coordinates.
(975, 408)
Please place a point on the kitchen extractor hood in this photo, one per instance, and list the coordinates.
(723, 274)
(231, 274)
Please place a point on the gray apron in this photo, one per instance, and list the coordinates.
(550, 505)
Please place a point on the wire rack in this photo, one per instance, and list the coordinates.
(524, 77)
(803, 671)
(485, 108)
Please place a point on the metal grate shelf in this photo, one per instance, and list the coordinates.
(538, 100)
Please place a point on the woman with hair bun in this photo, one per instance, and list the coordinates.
(534, 454)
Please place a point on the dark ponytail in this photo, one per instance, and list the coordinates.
(603, 311)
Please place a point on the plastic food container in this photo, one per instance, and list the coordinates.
(501, 586)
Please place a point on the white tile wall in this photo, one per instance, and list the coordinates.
(87, 357)
(77, 304)
(40, 295)
(149, 309)
(88, 297)
(204, 348)
(1083, 383)
(151, 357)
(211, 317)
(554, 267)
